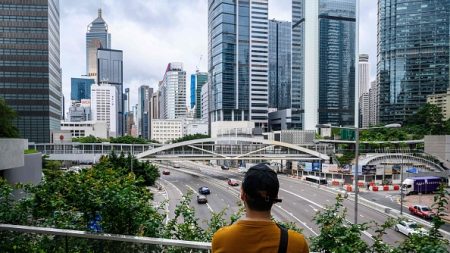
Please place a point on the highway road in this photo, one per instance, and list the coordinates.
(300, 200)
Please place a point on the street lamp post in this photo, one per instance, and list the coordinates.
(356, 173)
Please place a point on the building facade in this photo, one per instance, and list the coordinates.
(204, 103)
(78, 113)
(197, 81)
(172, 99)
(364, 110)
(373, 103)
(323, 62)
(441, 100)
(238, 60)
(363, 74)
(80, 88)
(280, 64)
(110, 71)
(30, 73)
(104, 106)
(97, 37)
(413, 51)
(166, 130)
(97, 129)
(145, 94)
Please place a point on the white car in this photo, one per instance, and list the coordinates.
(409, 227)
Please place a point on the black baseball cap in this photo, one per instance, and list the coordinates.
(261, 184)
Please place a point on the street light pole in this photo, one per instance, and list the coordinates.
(401, 188)
(356, 172)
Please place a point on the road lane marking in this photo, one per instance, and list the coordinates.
(210, 208)
(305, 199)
(297, 219)
(176, 188)
(315, 210)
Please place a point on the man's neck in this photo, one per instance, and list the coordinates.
(257, 215)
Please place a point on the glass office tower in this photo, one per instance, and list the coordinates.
(97, 36)
(30, 73)
(110, 70)
(280, 64)
(414, 55)
(197, 81)
(238, 60)
(80, 88)
(323, 62)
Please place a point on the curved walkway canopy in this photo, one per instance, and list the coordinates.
(232, 148)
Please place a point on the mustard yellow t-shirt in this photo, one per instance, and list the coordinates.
(246, 236)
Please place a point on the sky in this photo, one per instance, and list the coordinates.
(153, 33)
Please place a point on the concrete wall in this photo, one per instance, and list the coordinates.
(438, 146)
(30, 173)
(12, 153)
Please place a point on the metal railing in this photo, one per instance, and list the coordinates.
(69, 240)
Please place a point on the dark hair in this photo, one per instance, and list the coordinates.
(261, 186)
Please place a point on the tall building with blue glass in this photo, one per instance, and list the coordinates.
(30, 73)
(323, 62)
(238, 60)
(197, 81)
(80, 88)
(414, 54)
(280, 64)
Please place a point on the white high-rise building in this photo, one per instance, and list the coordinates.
(374, 97)
(204, 103)
(364, 74)
(172, 100)
(104, 106)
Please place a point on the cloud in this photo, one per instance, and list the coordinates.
(153, 33)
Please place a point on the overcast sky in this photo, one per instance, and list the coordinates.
(153, 33)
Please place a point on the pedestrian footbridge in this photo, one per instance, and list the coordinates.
(229, 148)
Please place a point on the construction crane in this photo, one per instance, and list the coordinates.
(199, 61)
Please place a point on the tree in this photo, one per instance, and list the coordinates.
(427, 120)
(7, 115)
(89, 139)
(190, 137)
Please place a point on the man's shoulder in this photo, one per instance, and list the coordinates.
(297, 239)
(225, 230)
(296, 235)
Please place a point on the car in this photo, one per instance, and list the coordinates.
(204, 190)
(233, 182)
(166, 172)
(421, 211)
(409, 227)
(176, 165)
(224, 167)
(201, 199)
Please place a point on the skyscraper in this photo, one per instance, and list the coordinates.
(364, 74)
(104, 106)
(97, 36)
(172, 99)
(80, 88)
(145, 94)
(413, 50)
(197, 81)
(110, 70)
(280, 64)
(238, 60)
(30, 73)
(323, 62)
(373, 103)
